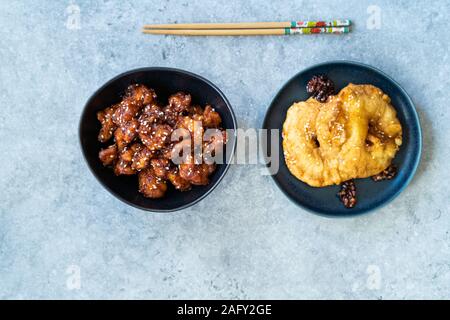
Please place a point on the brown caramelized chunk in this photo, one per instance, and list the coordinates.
(126, 133)
(161, 167)
(126, 111)
(151, 113)
(347, 194)
(141, 158)
(142, 131)
(320, 87)
(123, 166)
(108, 126)
(109, 155)
(140, 94)
(177, 181)
(196, 174)
(211, 119)
(150, 185)
(180, 102)
(388, 174)
(155, 136)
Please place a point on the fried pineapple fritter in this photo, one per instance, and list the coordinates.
(355, 134)
(142, 131)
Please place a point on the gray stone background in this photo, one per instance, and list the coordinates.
(245, 240)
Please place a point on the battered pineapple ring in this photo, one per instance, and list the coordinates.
(355, 134)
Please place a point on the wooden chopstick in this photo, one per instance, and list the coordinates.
(252, 25)
(247, 32)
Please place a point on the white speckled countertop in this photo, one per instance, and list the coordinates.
(63, 236)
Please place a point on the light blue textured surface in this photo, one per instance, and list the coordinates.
(245, 240)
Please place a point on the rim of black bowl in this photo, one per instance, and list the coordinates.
(419, 138)
(180, 71)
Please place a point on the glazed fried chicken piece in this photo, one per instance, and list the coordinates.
(182, 152)
(177, 181)
(192, 125)
(151, 113)
(216, 137)
(136, 98)
(108, 126)
(141, 158)
(180, 102)
(196, 174)
(126, 111)
(150, 185)
(140, 94)
(211, 119)
(195, 109)
(214, 147)
(186, 122)
(166, 152)
(126, 133)
(160, 167)
(108, 156)
(123, 165)
(128, 153)
(155, 136)
(170, 115)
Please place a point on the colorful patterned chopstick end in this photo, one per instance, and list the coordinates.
(332, 30)
(321, 24)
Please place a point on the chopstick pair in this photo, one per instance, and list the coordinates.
(250, 28)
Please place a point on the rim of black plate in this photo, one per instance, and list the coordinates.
(417, 160)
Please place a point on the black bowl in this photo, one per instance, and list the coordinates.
(371, 195)
(165, 81)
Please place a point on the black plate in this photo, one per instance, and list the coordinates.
(371, 195)
(165, 81)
